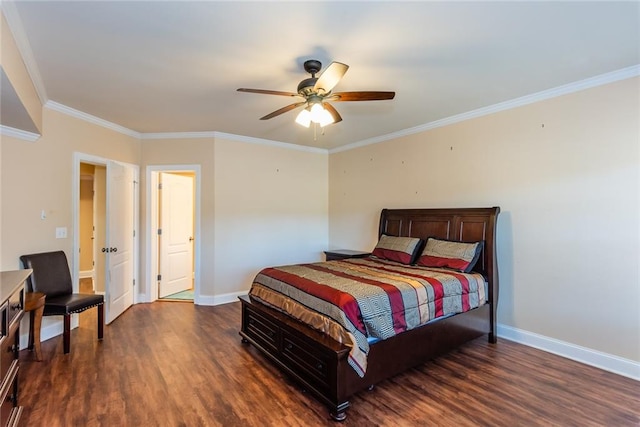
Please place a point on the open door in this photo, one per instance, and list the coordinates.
(176, 238)
(119, 250)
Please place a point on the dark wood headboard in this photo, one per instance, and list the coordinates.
(462, 224)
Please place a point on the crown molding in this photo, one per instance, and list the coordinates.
(603, 79)
(260, 141)
(20, 134)
(231, 137)
(52, 105)
(178, 135)
(22, 42)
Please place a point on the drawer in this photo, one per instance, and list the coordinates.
(8, 352)
(7, 405)
(262, 330)
(305, 360)
(16, 304)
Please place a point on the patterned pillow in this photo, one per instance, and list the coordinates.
(455, 255)
(399, 249)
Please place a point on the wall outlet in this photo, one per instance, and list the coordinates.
(61, 232)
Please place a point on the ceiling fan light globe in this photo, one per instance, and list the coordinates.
(304, 118)
(317, 111)
(326, 118)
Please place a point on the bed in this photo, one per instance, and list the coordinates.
(323, 362)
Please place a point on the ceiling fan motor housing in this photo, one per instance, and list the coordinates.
(305, 88)
(311, 66)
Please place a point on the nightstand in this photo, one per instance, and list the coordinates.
(345, 254)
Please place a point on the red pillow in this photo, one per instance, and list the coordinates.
(449, 254)
(399, 249)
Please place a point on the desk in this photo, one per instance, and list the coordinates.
(34, 305)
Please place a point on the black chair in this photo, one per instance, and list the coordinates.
(51, 277)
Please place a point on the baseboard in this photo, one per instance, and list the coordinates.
(51, 330)
(218, 299)
(605, 361)
(87, 274)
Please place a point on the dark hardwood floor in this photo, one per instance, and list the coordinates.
(176, 364)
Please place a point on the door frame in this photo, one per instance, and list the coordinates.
(75, 196)
(152, 176)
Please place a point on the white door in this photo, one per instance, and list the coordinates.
(176, 238)
(120, 239)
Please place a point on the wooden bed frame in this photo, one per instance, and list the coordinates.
(320, 364)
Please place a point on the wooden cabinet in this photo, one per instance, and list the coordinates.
(345, 254)
(11, 311)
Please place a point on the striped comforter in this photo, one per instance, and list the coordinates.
(357, 299)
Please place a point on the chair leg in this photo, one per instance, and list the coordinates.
(67, 333)
(32, 316)
(100, 321)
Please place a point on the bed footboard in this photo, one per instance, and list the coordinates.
(310, 357)
(319, 363)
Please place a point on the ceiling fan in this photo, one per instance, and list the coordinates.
(316, 92)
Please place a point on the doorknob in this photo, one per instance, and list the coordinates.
(191, 239)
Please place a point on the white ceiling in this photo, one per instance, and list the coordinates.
(161, 66)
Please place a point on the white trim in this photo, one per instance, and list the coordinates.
(20, 134)
(220, 299)
(136, 233)
(261, 141)
(178, 135)
(608, 362)
(52, 105)
(86, 274)
(591, 82)
(22, 42)
(231, 137)
(151, 223)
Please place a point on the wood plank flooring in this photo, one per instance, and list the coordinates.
(176, 364)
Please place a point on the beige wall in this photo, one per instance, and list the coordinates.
(566, 174)
(38, 176)
(259, 205)
(271, 208)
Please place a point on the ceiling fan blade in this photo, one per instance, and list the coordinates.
(267, 92)
(334, 113)
(283, 110)
(330, 77)
(362, 96)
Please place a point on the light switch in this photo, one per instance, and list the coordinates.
(61, 232)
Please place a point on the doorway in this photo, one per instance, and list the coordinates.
(92, 228)
(175, 236)
(173, 229)
(105, 218)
